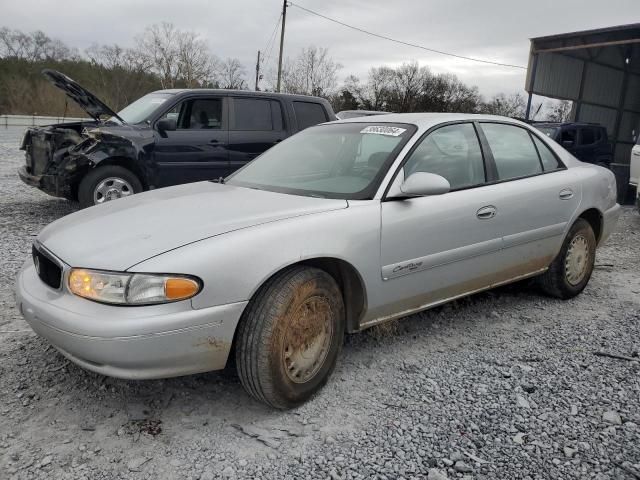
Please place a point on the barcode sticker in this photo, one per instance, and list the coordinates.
(384, 130)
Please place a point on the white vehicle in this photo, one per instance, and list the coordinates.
(634, 170)
(336, 229)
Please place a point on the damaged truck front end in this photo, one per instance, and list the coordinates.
(53, 163)
(58, 157)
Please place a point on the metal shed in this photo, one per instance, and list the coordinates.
(599, 70)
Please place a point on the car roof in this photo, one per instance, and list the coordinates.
(427, 120)
(566, 124)
(222, 91)
(370, 112)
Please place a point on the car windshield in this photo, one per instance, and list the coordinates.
(139, 111)
(548, 131)
(343, 160)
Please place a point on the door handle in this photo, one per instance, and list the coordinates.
(487, 212)
(636, 153)
(566, 194)
(213, 141)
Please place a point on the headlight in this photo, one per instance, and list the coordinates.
(132, 288)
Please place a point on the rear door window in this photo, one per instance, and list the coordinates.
(308, 114)
(252, 114)
(513, 151)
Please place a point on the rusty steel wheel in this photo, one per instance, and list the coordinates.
(307, 339)
(290, 336)
(571, 270)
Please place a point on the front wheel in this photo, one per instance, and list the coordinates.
(103, 184)
(290, 336)
(571, 270)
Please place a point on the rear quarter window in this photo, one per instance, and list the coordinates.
(549, 160)
(309, 114)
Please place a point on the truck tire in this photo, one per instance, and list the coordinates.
(571, 269)
(103, 184)
(290, 336)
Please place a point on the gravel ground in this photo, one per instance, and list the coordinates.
(503, 385)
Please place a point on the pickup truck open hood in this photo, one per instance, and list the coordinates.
(124, 232)
(83, 97)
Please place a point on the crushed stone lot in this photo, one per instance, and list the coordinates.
(505, 384)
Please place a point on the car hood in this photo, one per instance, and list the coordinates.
(124, 232)
(83, 97)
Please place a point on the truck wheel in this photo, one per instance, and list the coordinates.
(103, 184)
(571, 270)
(290, 336)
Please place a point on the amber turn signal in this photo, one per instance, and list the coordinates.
(179, 288)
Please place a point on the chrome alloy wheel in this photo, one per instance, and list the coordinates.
(307, 339)
(577, 260)
(111, 188)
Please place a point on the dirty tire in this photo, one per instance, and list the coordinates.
(284, 328)
(91, 180)
(563, 281)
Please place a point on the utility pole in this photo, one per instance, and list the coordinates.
(284, 18)
(258, 71)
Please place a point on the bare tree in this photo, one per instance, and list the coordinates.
(407, 84)
(312, 72)
(33, 47)
(508, 106)
(560, 111)
(231, 74)
(196, 64)
(159, 43)
(178, 57)
(376, 92)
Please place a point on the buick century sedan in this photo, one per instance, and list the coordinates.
(341, 227)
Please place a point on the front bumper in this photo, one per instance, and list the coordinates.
(128, 342)
(50, 184)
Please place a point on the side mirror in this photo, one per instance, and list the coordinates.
(568, 143)
(166, 125)
(420, 184)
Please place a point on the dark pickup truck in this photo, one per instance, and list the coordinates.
(588, 142)
(167, 137)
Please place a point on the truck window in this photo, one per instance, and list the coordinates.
(309, 114)
(199, 114)
(568, 135)
(587, 136)
(252, 114)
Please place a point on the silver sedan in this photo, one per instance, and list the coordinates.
(340, 227)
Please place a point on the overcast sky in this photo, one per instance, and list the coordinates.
(492, 29)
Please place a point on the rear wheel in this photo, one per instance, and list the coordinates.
(571, 270)
(107, 183)
(290, 336)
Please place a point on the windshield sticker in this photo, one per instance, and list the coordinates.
(384, 130)
(155, 101)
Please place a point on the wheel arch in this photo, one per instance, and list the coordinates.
(124, 162)
(347, 277)
(594, 217)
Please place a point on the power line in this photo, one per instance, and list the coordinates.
(405, 43)
(271, 42)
